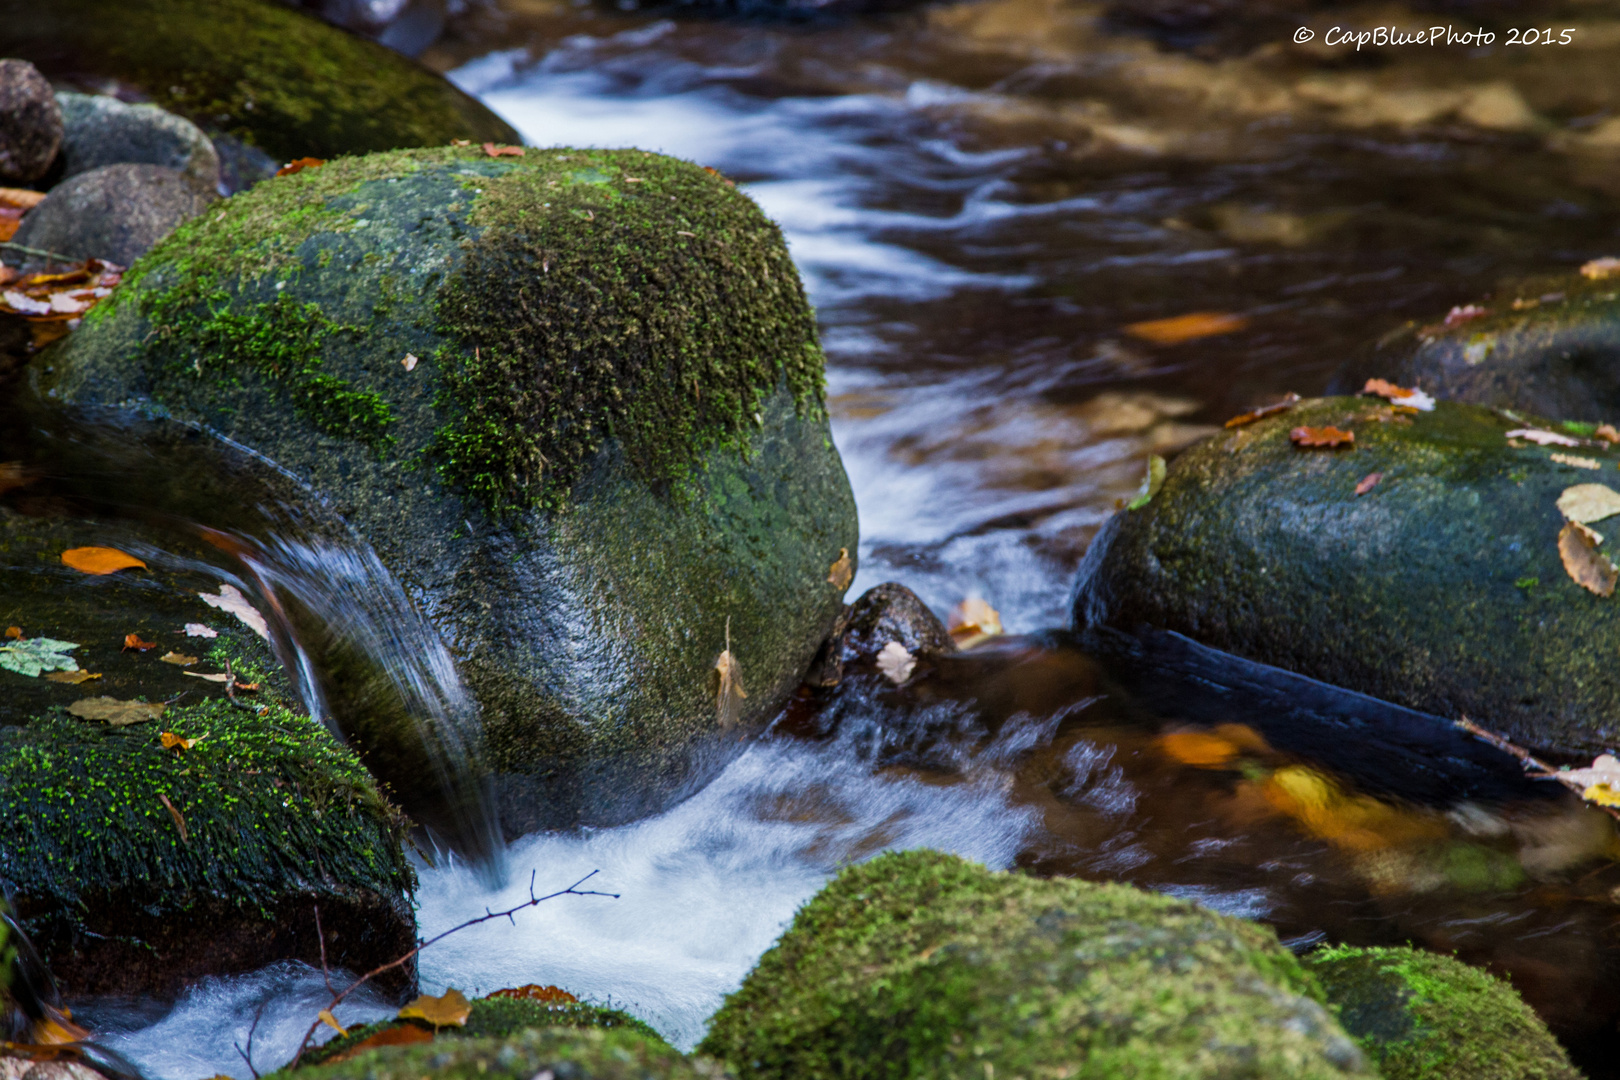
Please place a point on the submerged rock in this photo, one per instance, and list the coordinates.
(1420, 1016)
(256, 70)
(1440, 588)
(101, 130)
(583, 1054)
(30, 123)
(573, 399)
(115, 213)
(921, 964)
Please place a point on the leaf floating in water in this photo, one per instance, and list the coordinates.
(1586, 566)
(1399, 395)
(729, 692)
(1189, 327)
(197, 629)
(133, 641)
(1368, 482)
(449, 1009)
(172, 741)
(34, 655)
(1542, 438)
(73, 677)
(895, 662)
(1587, 503)
(841, 572)
(231, 599)
(298, 165)
(1577, 462)
(1213, 749)
(99, 560)
(492, 150)
(116, 713)
(1322, 436)
(535, 992)
(973, 622)
(1288, 402)
(1151, 483)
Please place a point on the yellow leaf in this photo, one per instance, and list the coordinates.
(841, 573)
(729, 692)
(178, 659)
(1587, 503)
(1602, 794)
(170, 741)
(448, 1010)
(331, 1021)
(973, 621)
(99, 560)
(1586, 566)
(116, 713)
(74, 677)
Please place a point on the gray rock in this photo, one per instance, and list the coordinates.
(115, 212)
(101, 130)
(30, 123)
(884, 613)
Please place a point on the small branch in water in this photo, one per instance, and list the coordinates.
(533, 900)
(9, 246)
(1542, 770)
(247, 1055)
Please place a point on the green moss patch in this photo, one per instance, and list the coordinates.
(924, 965)
(588, 1054)
(1421, 1016)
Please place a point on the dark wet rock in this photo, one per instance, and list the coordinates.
(101, 130)
(569, 1054)
(1420, 1016)
(30, 123)
(1440, 589)
(1549, 346)
(662, 471)
(884, 613)
(921, 964)
(256, 70)
(115, 213)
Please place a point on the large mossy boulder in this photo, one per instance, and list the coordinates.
(1440, 588)
(574, 401)
(1421, 1016)
(923, 965)
(563, 1053)
(255, 70)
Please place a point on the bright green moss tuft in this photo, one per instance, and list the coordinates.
(1421, 1016)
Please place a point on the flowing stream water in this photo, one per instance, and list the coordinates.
(982, 198)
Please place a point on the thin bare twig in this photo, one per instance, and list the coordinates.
(488, 915)
(247, 1055)
(1542, 770)
(320, 935)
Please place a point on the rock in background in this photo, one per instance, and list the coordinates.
(30, 123)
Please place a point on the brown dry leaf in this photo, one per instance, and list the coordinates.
(491, 150)
(217, 677)
(73, 677)
(403, 1035)
(1542, 438)
(972, 622)
(410, 362)
(20, 198)
(1607, 433)
(1598, 269)
(133, 641)
(179, 819)
(231, 599)
(1587, 503)
(299, 165)
(1252, 415)
(729, 692)
(100, 560)
(1586, 566)
(1577, 462)
(841, 573)
(449, 1009)
(1415, 400)
(179, 659)
(171, 741)
(14, 632)
(1189, 327)
(896, 663)
(1322, 436)
(535, 992)
(1368, 482)
(116, 713)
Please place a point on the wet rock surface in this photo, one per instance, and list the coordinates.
(922, 964)
(30, 123)
(1441, 588)
(884, 613)
(101, 130)
(115, 212)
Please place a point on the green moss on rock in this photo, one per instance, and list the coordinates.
(588, 1054)
(924, 965)
(1421, 1016)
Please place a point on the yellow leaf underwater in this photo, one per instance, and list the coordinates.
(74, 677)
(449, 1009)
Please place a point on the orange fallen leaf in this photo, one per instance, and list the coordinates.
(1322, 436)
(1607, 433)
(14, 632)
(840, 573)
(20, 198)
(1252, 415)
(1368, 482)
(10, 222)
(536, 992)
(73, 677)
(492, 150)
(179, 819)
(1585, 565)
(171, 741)
(100, 560)
(133, 641)
(1411, 401)
(299, 165)
(449, 1009)
(1189, 327)
(973, 622)
(403, 1035)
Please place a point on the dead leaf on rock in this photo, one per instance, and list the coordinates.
(409, 363)
(1368, 482)
(14, 633)
(491, 150)
(73, 677)
(299, 165)
(1577, 462)
(895, 661)
(173, 741)
(1598, 269)
(535, 992)
(116, 713)
(1542, 438)
(1607, 433)
(1587, 503)
(134, 642)
(1399, 395)
(230, 599)
(1189, 327)
(178, 659)
(449, 1009)
(1586, 566)
(100, 560)
(1322, 436)
(729, 692)
(197, 629)
(179, 820)
(403, 1035)
(211, 677)
(1252, 415)
(973, 622)
(841, 572)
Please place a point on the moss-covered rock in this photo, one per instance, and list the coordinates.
(573, 399)
(1441, 588)
(1420, 1016)
(256, 70)
(1548, 345)
(499, 1018)
(924, 965)
(568, 1054)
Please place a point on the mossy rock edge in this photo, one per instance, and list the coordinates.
(586, 1054)
(1421, 1016)
(1441, 588)
(610, 443)
(924, 965)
